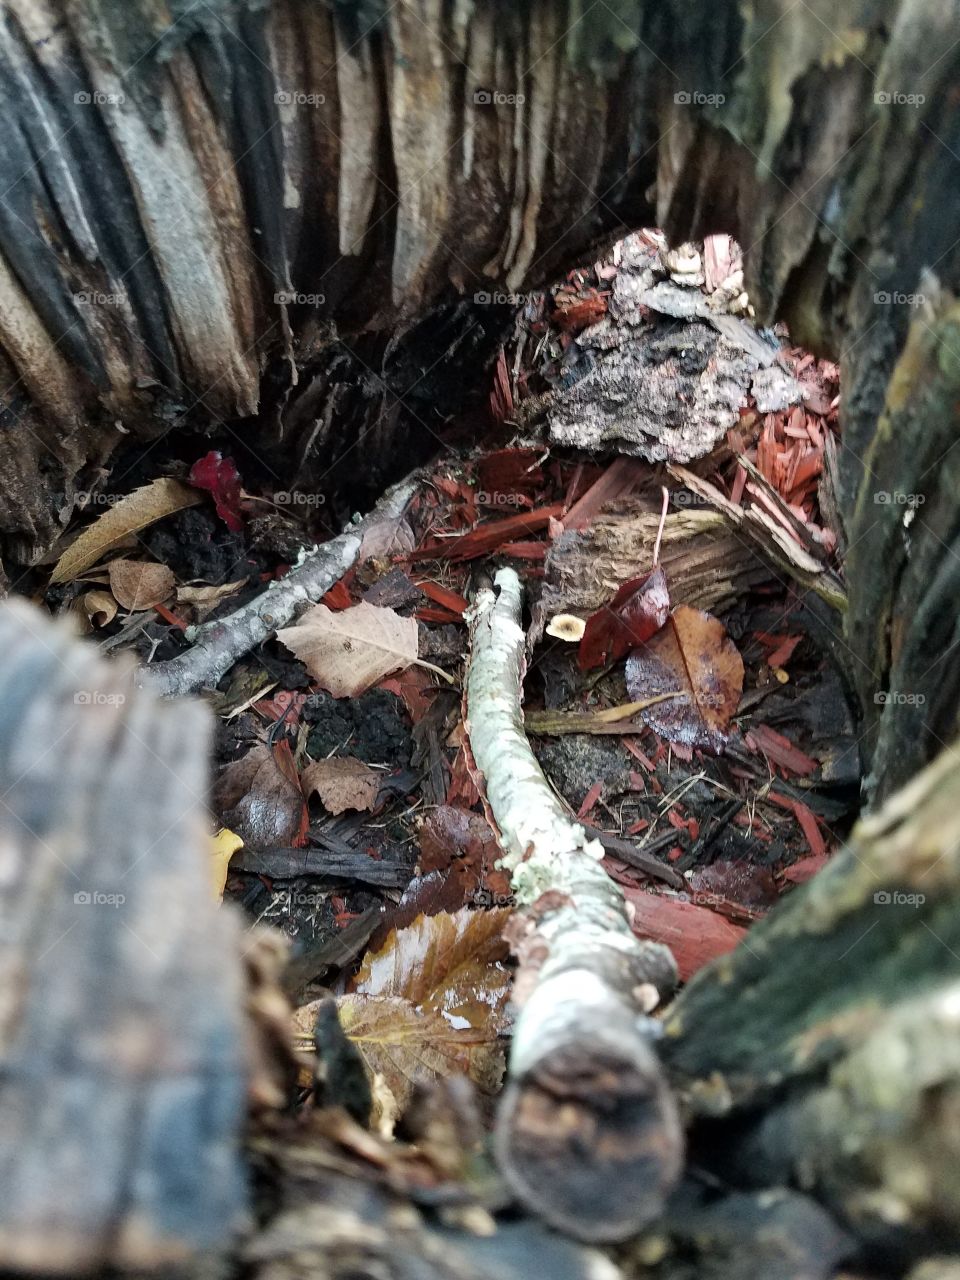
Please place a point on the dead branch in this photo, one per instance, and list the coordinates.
(587, 1132)
(218, 645)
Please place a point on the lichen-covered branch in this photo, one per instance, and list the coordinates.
(219, 644)
(587, 1133)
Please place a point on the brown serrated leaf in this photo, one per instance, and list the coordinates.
(430, 1003)
(139, 584)
(136, 511)
(256, 799)
(694, 654)
(351, 650)
(344, 783)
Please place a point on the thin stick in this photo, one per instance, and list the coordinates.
(663, 521)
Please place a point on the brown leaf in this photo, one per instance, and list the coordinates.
(349, 651)
(693, 654)
(342, 784)
(430, 1003)
(205, 599)
(455, 838)
(100, 607)
(138, 584)
(136, 511)
(258, 801)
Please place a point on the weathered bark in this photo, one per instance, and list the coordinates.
(125, 1060)
(825, 1051)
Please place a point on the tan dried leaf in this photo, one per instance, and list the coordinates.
(99, 607)
(341, 784)
(139, 584)
(430, 1003)
(352, 649)
(204, 600)
(136, 511)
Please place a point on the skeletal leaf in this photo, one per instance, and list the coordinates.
(136, 511)
(352, 649)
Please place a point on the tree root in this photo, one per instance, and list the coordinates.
(587, 1133)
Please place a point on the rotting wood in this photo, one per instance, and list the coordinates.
(124, 1079)
(586, 1132)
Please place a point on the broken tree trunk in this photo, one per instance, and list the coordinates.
(124, 1051)
(825, 1051)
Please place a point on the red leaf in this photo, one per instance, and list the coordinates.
(219, 476)
(636, 612)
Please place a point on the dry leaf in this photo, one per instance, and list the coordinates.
(692, 653)
(351, 650)
(139, 584)
(430, 1003)
(136, 511)
(342, 784)
(100, 607)
(204, 600)
(255, 798)
(222, 848)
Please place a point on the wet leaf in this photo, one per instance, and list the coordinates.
(692, 653)
(430, 1003)
(136, 511)
(464, 842)
(139, 584)
(258, 800)
(349, 651)
(219, 476)
(638, 610)
(342, 784)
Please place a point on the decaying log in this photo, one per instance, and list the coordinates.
(586, 1132)
(825, 1051)
(707, 565)
(124, 1063)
